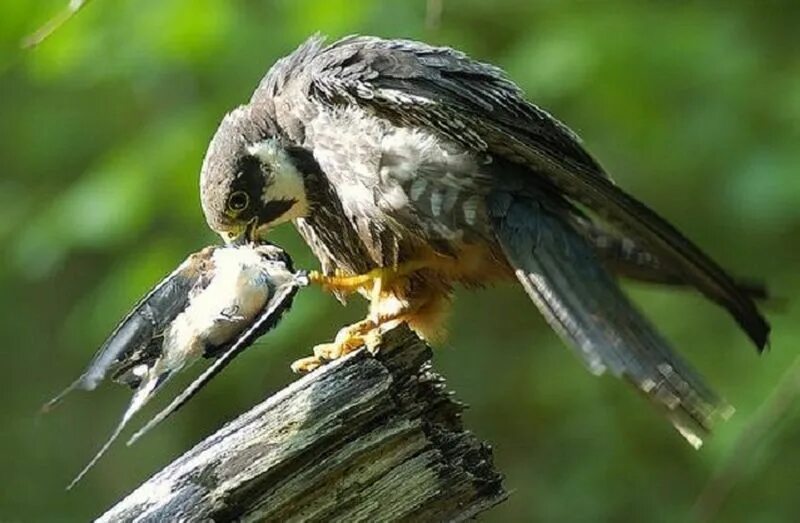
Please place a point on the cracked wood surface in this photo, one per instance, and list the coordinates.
(364, 438)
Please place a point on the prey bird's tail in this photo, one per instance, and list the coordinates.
(561, 273)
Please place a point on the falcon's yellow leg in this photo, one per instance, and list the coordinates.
(365, 333)
(353, 283)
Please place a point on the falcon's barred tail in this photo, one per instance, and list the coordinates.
(583, 303)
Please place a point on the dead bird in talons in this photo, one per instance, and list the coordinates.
(214, 305)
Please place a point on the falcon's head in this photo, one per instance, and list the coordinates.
(251, 180)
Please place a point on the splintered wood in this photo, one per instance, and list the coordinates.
(364, 438)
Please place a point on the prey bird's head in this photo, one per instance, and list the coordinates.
(251, 179)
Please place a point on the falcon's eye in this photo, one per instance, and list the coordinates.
(238, 201)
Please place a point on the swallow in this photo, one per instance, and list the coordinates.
(214, 305)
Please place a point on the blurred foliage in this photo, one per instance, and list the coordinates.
(694, 107)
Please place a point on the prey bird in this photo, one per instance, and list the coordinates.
(410, 169)
(215, 304)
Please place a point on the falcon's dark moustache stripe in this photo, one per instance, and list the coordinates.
(274, 209)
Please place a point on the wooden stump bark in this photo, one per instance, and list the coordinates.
(364, 438)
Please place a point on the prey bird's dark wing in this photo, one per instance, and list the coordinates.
(148, 318)
(280, 301)
(474, 104)
(585, 306)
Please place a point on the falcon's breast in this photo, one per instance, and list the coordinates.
(401, 186)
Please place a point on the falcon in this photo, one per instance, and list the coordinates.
(411, 169)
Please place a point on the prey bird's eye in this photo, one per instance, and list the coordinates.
(238, 201)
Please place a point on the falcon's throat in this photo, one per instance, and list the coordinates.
(284, 195)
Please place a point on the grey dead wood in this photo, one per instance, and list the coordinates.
(365, 438)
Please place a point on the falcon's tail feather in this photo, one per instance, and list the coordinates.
(584, 304)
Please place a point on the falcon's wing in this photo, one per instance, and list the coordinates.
(583, 303)
(148, 318)
(474, 104)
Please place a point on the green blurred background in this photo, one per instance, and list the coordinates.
(693, 108)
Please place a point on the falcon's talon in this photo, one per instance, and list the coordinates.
(306, 365)
(373, 341)
(355, 330)
(364, 333)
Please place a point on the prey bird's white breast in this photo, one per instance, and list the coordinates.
(216, 314)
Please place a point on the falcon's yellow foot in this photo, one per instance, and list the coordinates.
(366, 333)
(348, 284)
(379, 277)
(362, 334)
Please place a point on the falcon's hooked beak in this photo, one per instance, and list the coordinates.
(252, 232)
(248, 234)
(270, 214)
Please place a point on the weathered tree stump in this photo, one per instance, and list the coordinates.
(365, 438)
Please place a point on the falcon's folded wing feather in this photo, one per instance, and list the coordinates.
(585, 306)
(474, 104)
(623, 256)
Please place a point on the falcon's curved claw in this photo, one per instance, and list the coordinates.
(365, 333)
